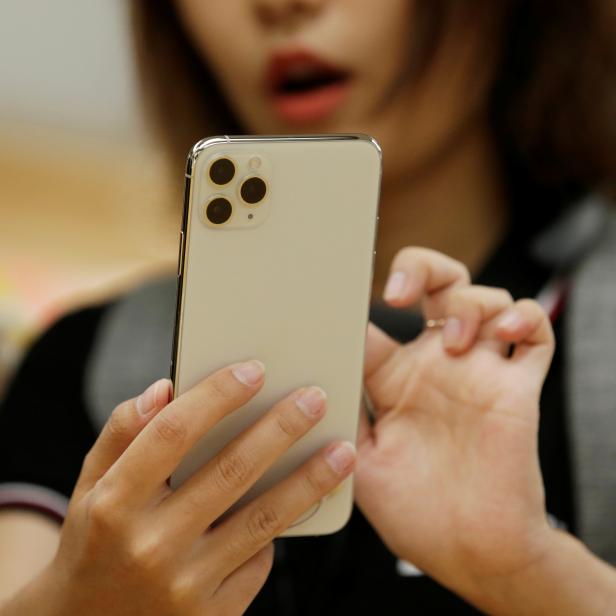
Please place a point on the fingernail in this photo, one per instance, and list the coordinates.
(311, 401)
(250, 372)
(341, 457)
(510, 320)
(452, 332)
(155, 396)
(395, 286)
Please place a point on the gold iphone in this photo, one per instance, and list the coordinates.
(276, 256)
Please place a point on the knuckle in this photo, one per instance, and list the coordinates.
(182, 590)
(315, 483)
(234, 549)
(287, 426)
(492, 299)
(532, 307)
(491, 296)
(537, 313)
(117, 424)
(408, 253)
(232, 471)
(479, 297)
(412, 258)
(461, 273)
(505, 295)
(145, 555)
(219, 388)
(169, 429)
(263, 524)
(464, 275)
(103, 509)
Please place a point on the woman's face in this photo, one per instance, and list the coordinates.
(302, 66)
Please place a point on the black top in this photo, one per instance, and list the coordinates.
(45, 432)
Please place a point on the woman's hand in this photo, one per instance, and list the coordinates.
(449, 475)
(131, 545)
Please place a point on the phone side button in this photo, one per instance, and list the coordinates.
(181, 255)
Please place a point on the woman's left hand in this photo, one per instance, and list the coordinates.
(448, 475)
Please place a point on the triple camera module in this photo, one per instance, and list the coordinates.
(252, 189)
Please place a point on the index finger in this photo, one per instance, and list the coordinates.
(122, 427)
(152, 457)
(419, 272)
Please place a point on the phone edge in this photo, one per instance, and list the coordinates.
(191, 158)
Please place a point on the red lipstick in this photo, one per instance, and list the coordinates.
(304, 88)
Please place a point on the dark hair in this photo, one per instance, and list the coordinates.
(553, 101)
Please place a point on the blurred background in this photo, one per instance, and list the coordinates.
(86, 206)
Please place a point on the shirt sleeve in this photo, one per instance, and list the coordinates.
(45, 431)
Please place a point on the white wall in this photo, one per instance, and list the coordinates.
(67, 64)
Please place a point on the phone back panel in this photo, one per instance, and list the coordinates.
(289, 286)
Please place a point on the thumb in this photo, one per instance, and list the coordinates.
(379, 347)
(125, 423)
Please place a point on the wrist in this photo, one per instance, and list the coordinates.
(565, 579)
(39, 596)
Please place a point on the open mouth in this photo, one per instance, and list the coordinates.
(304, 88)
(307, 78)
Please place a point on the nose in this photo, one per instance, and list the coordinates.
(286, 12)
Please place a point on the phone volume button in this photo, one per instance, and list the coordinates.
(181, 255)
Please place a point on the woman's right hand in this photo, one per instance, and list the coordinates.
(131, 545)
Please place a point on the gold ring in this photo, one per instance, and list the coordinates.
(435, 323)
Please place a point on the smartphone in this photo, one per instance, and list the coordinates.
(276, 259)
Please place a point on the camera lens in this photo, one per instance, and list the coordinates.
(222, 171)
(253, 190)
(218, 211)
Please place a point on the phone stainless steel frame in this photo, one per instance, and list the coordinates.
(223, 141)
(190, 161)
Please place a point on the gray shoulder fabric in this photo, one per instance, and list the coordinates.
(573, 235)
(591, 383)
(132, 348)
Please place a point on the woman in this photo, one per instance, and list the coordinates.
(468, 104)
